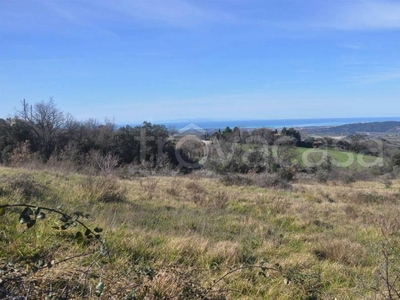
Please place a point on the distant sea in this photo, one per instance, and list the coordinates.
(249, 124)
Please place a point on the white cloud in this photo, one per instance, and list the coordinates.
(167, 12)
(104, 15)
(274, 16)
(308, 16)
(360, 15)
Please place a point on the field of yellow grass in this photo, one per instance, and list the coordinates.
(189, 237)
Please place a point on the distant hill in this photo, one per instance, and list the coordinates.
(373, 127)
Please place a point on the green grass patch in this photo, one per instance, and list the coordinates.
(340, 159)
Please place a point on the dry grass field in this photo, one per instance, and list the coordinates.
(189, 237)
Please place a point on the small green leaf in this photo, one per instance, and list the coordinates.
(50, 264)
(27, 211)
(79, 237)
(262, 274)
(30, 223)
(50, 296)
(24, 219)
(41, 263)
(36, 210)
(88, 232)
(41, 216)
(64, 226)
(64, 218)
(25, 215)
(98, 230)
(99, 289)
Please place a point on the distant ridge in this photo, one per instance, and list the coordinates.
(271, 123)
(370, 127)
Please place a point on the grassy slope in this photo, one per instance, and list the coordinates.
(342, 159)
(200, 228)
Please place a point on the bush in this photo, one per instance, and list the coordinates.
(195, 188)
(395, 160)
(236, 179)
(380, 170)
(103, 189)
(197, 193)
(24, 185)
(347, 178)
(342, 251)
(286, 174)
(266, 180)
(322, 176)
(386, 180)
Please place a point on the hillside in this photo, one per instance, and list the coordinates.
(189, 237)
(341, 159)
(373, 127)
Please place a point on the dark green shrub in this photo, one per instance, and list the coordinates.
(347, 178)
(286, 174)
(322, 176)
(266, 180)
(236, 179)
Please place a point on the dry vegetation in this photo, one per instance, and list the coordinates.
(176, 238)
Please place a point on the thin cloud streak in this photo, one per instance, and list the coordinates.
(179, 13)
(378, 78)
(316, 16)
(360, 15)
(105, 17)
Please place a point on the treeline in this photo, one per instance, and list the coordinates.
(260, 136)
(44, 134)
(43, 131)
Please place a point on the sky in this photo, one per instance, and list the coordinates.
(175, 60)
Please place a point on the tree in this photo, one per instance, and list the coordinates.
(294, 133)
(263, 136)
(395, 161)
(13, 133)
(145, 143)
(46, 122)
(127, 144)
(226, 134)
(291, 132)
(236, 135)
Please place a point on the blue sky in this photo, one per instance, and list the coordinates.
(166, 60)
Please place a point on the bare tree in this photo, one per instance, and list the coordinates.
(46, 122)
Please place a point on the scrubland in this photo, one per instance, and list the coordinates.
(190, 237)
